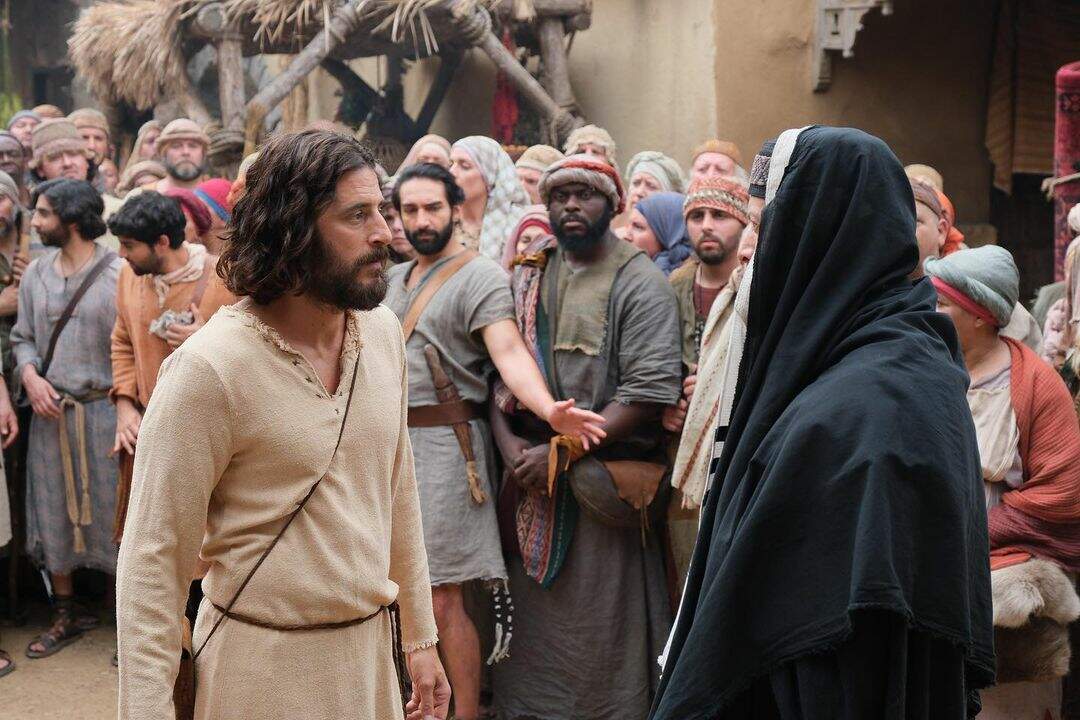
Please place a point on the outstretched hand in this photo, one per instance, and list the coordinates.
(566, 419)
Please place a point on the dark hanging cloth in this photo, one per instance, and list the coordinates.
(850, 478)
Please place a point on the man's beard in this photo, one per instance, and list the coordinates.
(152, 267)
(428, 242)
(593, 235)
(712, 257)
(339, 285)
(55, 238)
(14, 170)
(184, 171)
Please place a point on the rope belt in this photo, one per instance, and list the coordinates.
(82, 516)
(395, 623)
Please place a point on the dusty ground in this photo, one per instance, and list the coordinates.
(78, 683)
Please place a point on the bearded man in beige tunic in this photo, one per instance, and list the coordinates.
(240, 452)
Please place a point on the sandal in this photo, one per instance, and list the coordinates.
(9, 667)
(64, 631)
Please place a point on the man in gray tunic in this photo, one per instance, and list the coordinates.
(591, 603)
(458, 318)
(70, 479)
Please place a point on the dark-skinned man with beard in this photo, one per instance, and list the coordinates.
(275, 448)
(66, 374)
(458, 317)
(13, 158)
(590, 596)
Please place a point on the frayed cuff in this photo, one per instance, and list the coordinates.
(413, 647)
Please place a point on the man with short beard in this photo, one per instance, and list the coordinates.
(13, 162)
(275, 448)
(164, 292)
(66, 376)
(182, 147)
(591, 608)
(469, 325)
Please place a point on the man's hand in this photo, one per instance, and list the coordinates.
(566, 419)
(511, 450)
(176, 334)
(9, 300)
(674, 416)
(9, 424)
(531, 469)
(689, 385)
(43, 396)
(430, 688)
(128, 421)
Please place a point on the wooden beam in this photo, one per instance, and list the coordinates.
(343, 23)
(351, 82)
(444, 78)
(547, 8)
(556, 71)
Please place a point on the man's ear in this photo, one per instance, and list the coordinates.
(943, 232)
(162, 243)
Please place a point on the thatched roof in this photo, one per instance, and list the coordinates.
(134, 50)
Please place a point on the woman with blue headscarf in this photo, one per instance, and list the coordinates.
(657, 228)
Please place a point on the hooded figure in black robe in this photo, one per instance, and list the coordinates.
(841, 570)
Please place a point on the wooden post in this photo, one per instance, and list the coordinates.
(448, 66)
(553, 56)
(212, 21)
(343, 23)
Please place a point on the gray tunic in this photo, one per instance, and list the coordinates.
(82, 368)
(462, 538)
(587, 646)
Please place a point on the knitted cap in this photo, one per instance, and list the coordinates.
(724, 147)
(56, 135)
(983, 278)
(181, 129)
(23, 114)
(6, 137)
(723, 194)
(759, 171)
(539, 157)
(592, 135)
(587, 170)
(89, 117)
(214, 193)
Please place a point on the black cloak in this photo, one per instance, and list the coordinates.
(850, 477)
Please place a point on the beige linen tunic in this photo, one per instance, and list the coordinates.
(237, 431)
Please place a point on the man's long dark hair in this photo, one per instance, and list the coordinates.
(271, 241)
(74, 202)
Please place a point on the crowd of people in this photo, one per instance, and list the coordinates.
(620, 451)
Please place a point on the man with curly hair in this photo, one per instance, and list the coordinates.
(275, 447)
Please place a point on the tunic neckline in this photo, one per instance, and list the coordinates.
(350, 346)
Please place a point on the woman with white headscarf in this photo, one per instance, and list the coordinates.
(651, 172)
(494, 197)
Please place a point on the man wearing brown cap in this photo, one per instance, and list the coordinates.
(22, 125)
(182, 147)
(716, 158)
(591, 607)
(93, 126)
(61, 152)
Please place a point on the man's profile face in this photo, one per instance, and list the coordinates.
(70, 164)
(47, 224)
(7, 215)
(929, 235)
(184, 159)
(580, 215)
(142, 258)
(426, 214)
(749, 239)
(352, 245)
(714, 234)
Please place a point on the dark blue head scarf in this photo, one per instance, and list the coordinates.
(664, 213)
